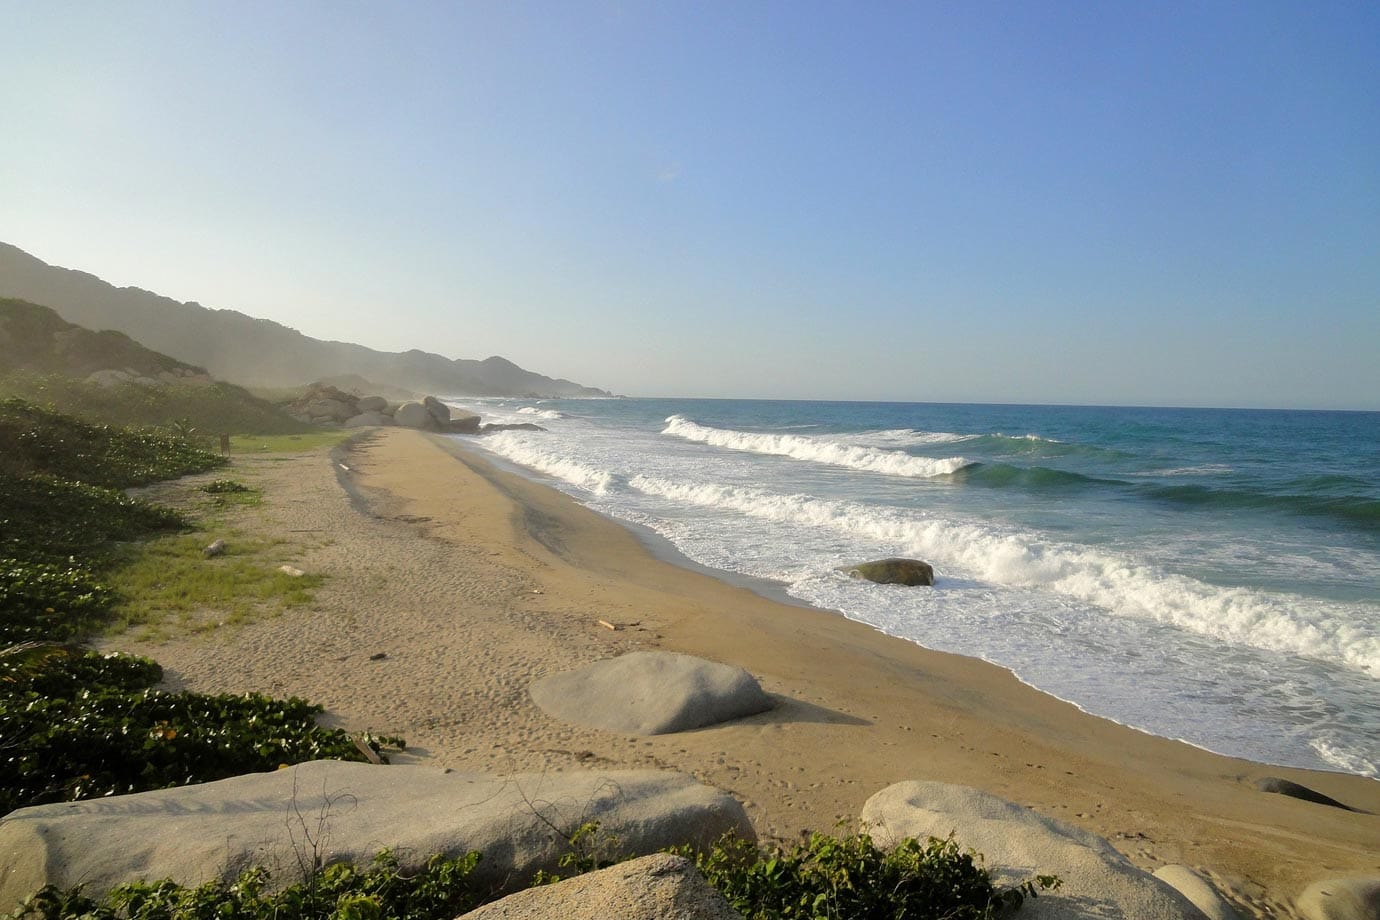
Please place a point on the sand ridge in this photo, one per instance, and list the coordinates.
(474, 582)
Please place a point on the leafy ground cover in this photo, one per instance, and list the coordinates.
(73, 548)
(830, 878)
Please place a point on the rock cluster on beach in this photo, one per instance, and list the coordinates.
(328, 405)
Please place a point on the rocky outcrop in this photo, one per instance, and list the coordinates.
(651, 693)
(1017, 843)
(911, 572)
(367, 419)
(1197, 889)
(371, 404)
(1341, 899)
(657, 887)
(347, 812)
(415, 415)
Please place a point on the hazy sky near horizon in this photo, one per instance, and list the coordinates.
(1113, 203)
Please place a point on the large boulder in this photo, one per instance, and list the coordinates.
(1197, 889)
(651, 693)
(1017, 843)
(657, 887)
(347, 812)
(371, 404)
(330, 408)
(911, 572)
(1341, 899)
(439, 410)
(415, 415)
(462, 422)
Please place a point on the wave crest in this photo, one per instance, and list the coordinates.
(815, 450)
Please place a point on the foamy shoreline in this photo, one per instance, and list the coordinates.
(474, 581)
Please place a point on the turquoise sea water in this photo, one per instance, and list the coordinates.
(1208, 575)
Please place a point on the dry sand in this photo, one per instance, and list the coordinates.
(474, 582)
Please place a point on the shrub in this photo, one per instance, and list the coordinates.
(85, 725)
(849, 877)
(45, 519)
(37, 440)
(49, 601)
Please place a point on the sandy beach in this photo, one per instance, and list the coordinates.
(473, 582)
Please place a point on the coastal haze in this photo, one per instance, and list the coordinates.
(1169, 205)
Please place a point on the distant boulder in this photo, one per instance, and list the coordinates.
(371, 404)
(910, 572)
(462, 422)
(493, 427)
(651, 693)
(415, 415)
(439, 410)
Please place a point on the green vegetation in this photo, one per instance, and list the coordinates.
(828, 879)
(74, 724)
(35, 440)
(209, 408)
(849, 877)
(170, 579)
(88, 725)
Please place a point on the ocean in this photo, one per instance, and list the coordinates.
(1200, 574)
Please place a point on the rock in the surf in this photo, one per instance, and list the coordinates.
(195, 834)
(1017, 843)
(651, 693)
(1341, 899)
(911, 572)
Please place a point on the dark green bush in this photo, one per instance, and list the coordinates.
(39, 441)
(842, 878)
(46, 519)
(49, 601)
(88, 725)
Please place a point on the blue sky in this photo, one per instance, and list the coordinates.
(1170, 204)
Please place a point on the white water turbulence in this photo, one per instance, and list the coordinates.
(1241, 615)
(816, 450)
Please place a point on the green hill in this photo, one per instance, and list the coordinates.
(258, 352)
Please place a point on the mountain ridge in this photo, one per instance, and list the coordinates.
(253, 351)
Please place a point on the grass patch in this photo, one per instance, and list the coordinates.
(170, 582)
(288, 443)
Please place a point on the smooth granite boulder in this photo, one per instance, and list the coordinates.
(1341, 899)
(911, 572)
(415, 415)
(347, 812)
(1197, 889)
(372, 404)
(657, 887)
(651, 693)
(439, 410)
(1017, 843)
(462, 422)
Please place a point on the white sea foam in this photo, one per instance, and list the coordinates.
(907, 437)
(1120, 586)
(815, 450)
(523, 448)
(541, 413)
(1344, 759)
